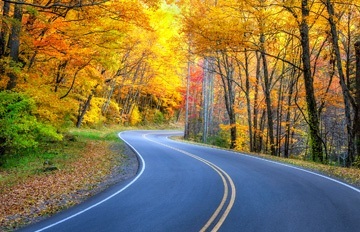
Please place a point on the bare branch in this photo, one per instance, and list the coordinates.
(71, 5)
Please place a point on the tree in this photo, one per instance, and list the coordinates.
(207, 96)
(345, 91)
(357, 99)
(266, 76)
(312, 111)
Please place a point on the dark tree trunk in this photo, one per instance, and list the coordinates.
(313, 118)
(14, 43)
(267, 91)
(288, 114)
(84, 107)
(187, 123)
(229, 94)
(248, 100)
(357, 99)
(279, 113)
(256, 139)
(230, 109)
(14, 39)
(60, 74)
(343, 84)
(261, 129)
(4, 28)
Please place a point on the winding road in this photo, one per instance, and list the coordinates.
(185, 187)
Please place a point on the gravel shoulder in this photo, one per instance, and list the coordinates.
(128, 168)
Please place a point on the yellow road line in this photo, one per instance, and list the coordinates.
(222, 203)
(230, 205)
(224, 176)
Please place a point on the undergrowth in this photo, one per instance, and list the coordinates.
(80, 161)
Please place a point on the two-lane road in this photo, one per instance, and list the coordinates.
(185, 187)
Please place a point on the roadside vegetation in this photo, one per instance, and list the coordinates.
(46, 167)
(38, 182)
(350, 175)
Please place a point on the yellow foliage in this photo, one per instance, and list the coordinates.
(242, 140)
(93, 115)
(3, 81)
(113, 113)
(135, 116)
(50, 108)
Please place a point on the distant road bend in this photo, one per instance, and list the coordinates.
(185, 187)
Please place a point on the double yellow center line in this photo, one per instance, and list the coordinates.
(228, 200)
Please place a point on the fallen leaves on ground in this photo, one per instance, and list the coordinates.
(48, 192)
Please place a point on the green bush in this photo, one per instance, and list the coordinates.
(220, 140)
(19, 128)
(356, 163)
(159, 117)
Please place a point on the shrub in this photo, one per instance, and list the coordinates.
(159, 117)
(19, 128)
(221, 139)
(135, 117)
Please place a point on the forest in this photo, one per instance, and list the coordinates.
(86, 63)
(280, 77)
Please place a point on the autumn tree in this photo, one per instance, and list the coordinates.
(70, 57)
(357, 98)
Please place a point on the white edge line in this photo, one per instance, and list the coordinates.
(109, 197)
(278, 163)
(307, 171)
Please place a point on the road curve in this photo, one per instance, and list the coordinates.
(185, 187)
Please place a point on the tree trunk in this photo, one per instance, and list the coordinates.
(248, 101)
(261, 128)
(83, 108)
(60, 74)
(207, 98)
(288, 114)
(229, 95)
(357, 99)
(279, 113)
(187, 110)
(343, 84)
(14, 43)
(313, 118)
(4, 28)
(14, 39)
(256, 139)
(230, 108)
(267, 92)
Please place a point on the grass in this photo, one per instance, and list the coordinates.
(59, 152)
(92, 134)
(83, 159)
(17, 167)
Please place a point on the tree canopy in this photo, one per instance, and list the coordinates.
(280, 77)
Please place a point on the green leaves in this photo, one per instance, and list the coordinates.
(19, 128)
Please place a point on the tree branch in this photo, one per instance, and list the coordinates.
(60, 5)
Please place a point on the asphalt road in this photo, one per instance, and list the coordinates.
(184, 187)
